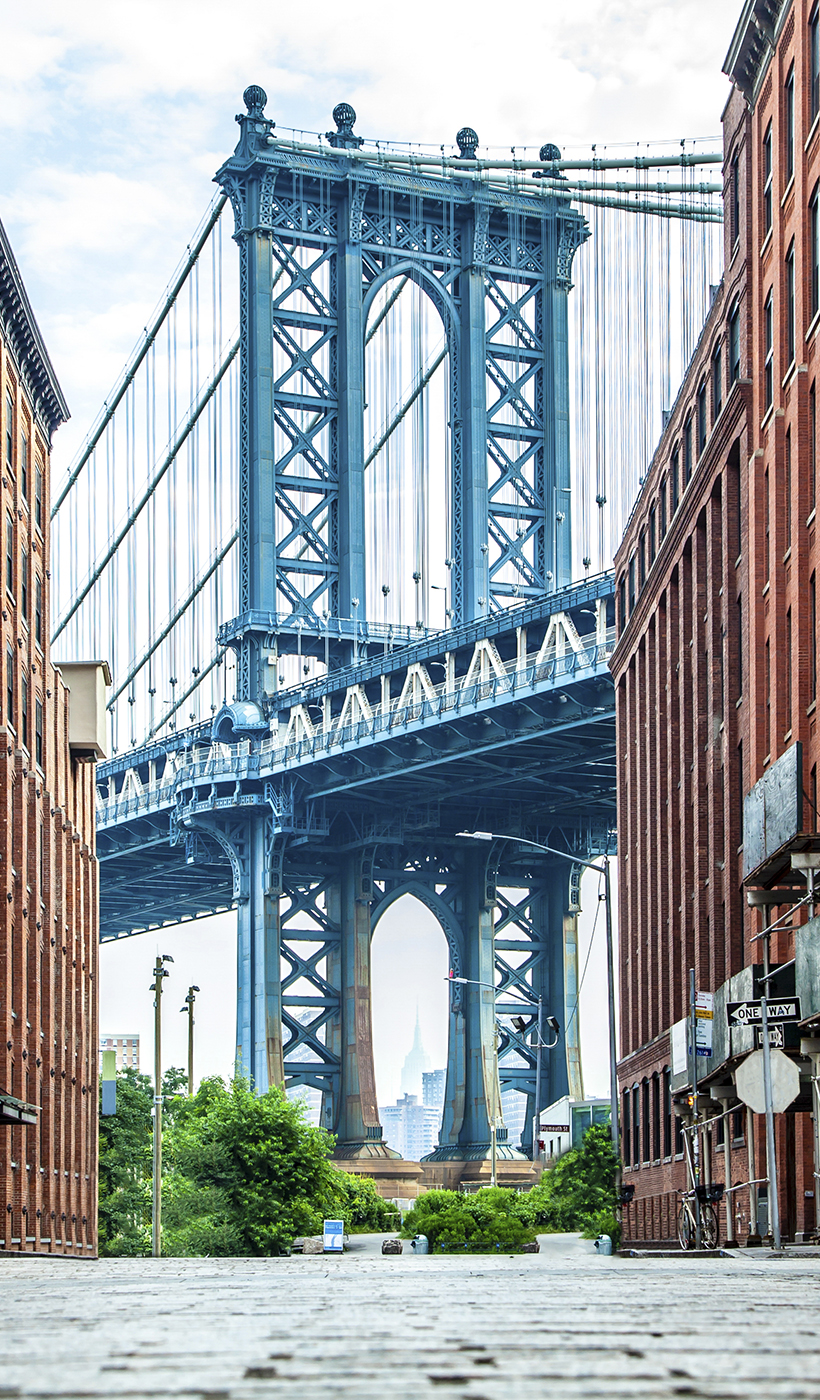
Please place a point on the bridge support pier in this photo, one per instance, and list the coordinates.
(356, 1115)
(259, 987)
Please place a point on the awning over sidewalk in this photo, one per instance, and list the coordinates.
(15, 1112)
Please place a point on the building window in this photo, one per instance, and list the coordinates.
(687, 451)
(767, 180)
(701, 406)
(667, 1112)
(626, 1144)
(790, 308)
(642, 560)
(812, 447)
(734, 343)
(38, 609)
(632, 585)
(734, 196)
(9, 430)
(38, 732)
(24, 710)
(788, 669)
(622, 601)
(675, 483)
(788, 124)
(812, 639)
(768, 323)
(814, 798)
(767, 681)
(10, 686)
(813, 65)
(662, 507)
(740, 792)
(814, 251)
(652, 546)
(787, 484)
(636, 1125)
(656, 1118)
(645, 1113)
(717, 381)
(9, 553)
(24, 584)
(766, 527)
(38, 496)
(24, 466)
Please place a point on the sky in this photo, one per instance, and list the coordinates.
(114, 117)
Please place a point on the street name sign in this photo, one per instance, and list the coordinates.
(749, 1013)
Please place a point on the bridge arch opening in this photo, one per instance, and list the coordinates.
(410, 959)
(408, 474)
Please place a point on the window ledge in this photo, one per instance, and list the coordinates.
(787, 556)
(810, 518)
(813, 130)
(792, 373)
(813, 324)
(738, 702)
(811, 708)
(788, 191)
(767, 585)
(787, 737)
(764, 422)
(767, 243)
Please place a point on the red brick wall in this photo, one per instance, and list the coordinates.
(48, 878)
(697, 720)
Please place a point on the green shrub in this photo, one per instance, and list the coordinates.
(493, 1215)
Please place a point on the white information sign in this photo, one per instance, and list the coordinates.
(679, 1047)
(704, 1017)
(334, 1236)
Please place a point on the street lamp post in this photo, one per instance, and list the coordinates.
(540, 1044)
(610, 958)
(189, 1008)
(156, 1213)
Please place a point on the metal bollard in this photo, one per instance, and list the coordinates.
(603, 1244)
(419, 1245)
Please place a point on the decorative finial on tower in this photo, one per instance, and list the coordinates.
(343, 138)
(257, 129)
(467, 141)
(549, 154)
(254, 98)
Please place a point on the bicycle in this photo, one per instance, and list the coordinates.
(707, 1198)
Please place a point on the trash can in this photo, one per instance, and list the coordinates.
(419, 1245)
(603, 1244)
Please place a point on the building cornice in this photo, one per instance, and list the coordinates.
(753, 44)
(26, 343)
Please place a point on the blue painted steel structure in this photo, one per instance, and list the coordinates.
(313, 809)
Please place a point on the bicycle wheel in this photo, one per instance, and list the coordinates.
(686, 1227)
(708, 1226)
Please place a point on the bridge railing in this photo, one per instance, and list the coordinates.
(445, 698)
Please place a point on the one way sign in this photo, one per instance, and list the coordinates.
(748, 1013)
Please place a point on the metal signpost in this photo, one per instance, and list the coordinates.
(156, 988)
(695, 1128)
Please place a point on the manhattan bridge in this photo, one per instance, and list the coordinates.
(343, 530)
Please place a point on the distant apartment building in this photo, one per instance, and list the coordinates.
(411, 1128)
(433, 1088)
(49, 1062)
(126, 1048)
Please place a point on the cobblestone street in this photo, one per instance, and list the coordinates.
(561, 1323)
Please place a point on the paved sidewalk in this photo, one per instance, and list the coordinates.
(562, 1323)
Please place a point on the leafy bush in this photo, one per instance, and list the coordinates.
(579, 1189)
(358, 1203)
(491, 1216)
(247, 1173)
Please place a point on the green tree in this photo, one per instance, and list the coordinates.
(246, 1173)
(578, 1193)
(361, 1207)
(125, 1169)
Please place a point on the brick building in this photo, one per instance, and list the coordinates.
(49, 933)
(715, 668)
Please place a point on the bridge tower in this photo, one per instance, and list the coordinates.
(319, 234)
